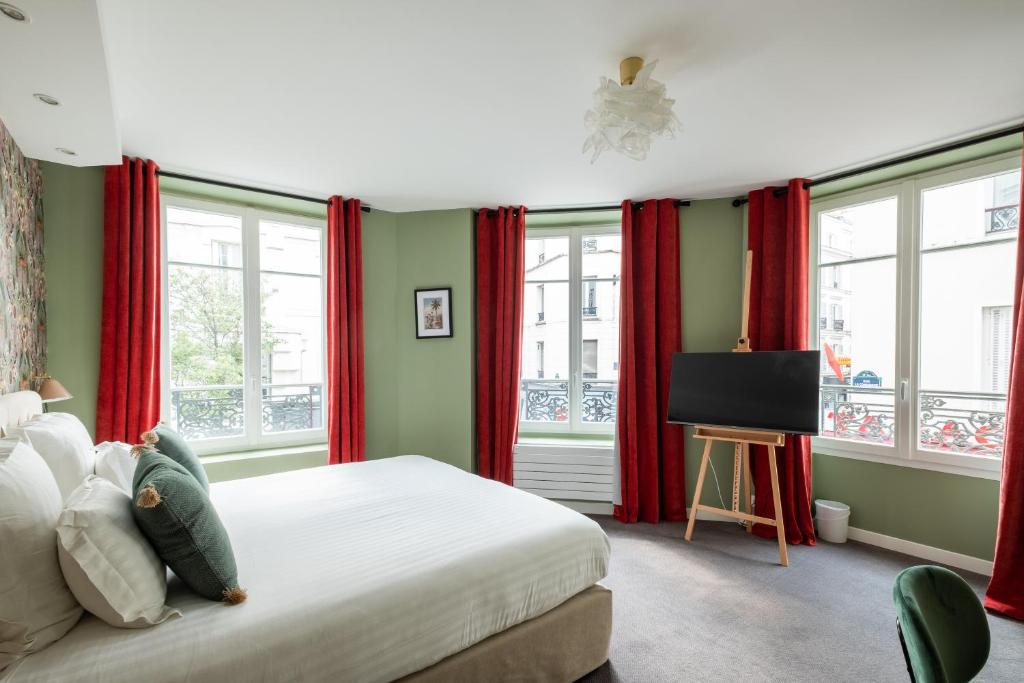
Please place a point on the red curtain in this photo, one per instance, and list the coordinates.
(346, 417)
(652, 475)
(778, 236)
(1005, 592)
(128, 399)
(500, 255)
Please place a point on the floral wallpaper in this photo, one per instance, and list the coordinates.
(22, 285)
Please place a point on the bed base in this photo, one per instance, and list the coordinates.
(559, 646)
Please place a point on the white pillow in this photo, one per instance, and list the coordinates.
(114, 462)
(109, 565)
(36, 606)
(65, 445)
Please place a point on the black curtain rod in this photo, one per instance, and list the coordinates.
(579, 209)
(248, 188)
(906, 158)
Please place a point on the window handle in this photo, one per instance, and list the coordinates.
(904, 386)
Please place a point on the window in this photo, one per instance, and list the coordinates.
(569, 383)
(243, 326)
(915, 344)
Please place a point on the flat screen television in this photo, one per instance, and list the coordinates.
(769, 390)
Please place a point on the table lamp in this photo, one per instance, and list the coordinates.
(51, 390)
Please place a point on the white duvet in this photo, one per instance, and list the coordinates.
(358, 572)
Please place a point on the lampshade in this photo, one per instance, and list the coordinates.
(51, 390)
(627, 116)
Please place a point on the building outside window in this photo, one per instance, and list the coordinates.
(572, 385)
(243, 326)
(590, 298)
(997, 327)
(589, 359)
(915, 343)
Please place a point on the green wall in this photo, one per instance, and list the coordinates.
(711, 270)
(948, 511)
(380, 344)
(73, 211)
(435, 376)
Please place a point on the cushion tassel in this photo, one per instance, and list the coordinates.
(149, 498)
(234, 596)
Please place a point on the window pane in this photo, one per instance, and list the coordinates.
(206, 348)
(203, 237)
(547, 258)
(857, 337)
(291, 352)
(288, 248)
(602, 255)
(599, 356)
(966, 306)
(973, 211)
(861, 231)
(544, 390)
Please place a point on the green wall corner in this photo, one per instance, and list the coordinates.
(73, 225)
(711, 277)
(380, 342)
(435, 376)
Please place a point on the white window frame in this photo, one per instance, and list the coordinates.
(253, 438)
(908, 191)
(574, 425)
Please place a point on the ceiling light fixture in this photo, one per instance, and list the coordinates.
(46, 99)
(628, 114)
(65, 150)
(13, 12)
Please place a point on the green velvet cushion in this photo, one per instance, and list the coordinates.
(176, 515)
(943, 623)
(170, 443)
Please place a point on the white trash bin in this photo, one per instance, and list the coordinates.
(832, 518)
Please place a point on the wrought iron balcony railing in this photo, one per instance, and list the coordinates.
(838, 324)
(590, 311)
(547, 400)
(219, 411)
(1002, 218)
(972, 423)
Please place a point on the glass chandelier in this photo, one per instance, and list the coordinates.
(627, 115)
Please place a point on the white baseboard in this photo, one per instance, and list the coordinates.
(587, 507)
(925, 552)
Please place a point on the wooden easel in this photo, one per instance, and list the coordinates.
(741, 440)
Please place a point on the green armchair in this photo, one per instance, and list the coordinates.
(942, 625)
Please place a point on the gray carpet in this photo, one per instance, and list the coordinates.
(722, 609)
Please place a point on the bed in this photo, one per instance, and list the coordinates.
(401, 568)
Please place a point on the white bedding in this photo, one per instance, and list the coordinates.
(358, 572)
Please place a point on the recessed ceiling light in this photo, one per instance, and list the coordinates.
(65, 150)
(46, 99)
(13, 12)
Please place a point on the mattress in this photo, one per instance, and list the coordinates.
(359, 572)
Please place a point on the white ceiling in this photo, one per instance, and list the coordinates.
(453, 103)
(58, 52)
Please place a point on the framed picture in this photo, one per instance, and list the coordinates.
(434, 313)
